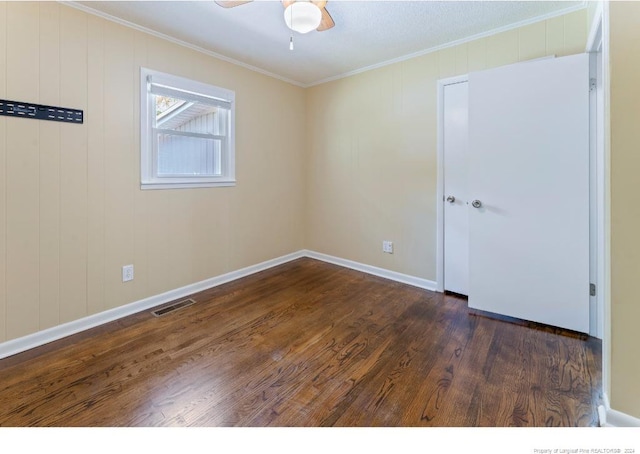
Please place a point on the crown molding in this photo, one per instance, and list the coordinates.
(117, 20)
(89, 10)
(486, 34)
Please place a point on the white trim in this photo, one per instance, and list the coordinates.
(495, 31)
(451, 44)
(597, 176)
(614, 418)
(381, 272)
(618, 419)
(186, 185)
(598, 42)
(440, 178)
(149, 150)
(602, 416)
(39, 338)
(606, 218)
(94, 12)
(594, 40)
(43, 337)
(593, 219)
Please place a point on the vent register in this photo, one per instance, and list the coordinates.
(172, 307)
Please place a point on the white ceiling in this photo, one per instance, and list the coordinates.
(367, 33)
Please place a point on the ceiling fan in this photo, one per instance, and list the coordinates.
(299, 14)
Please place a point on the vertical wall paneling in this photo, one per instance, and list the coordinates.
(119, 173)
(172, 249)
(3, 176)
(447, 62)
(141, 222)
(178, 203)
(160, 233)
(345, 219)
(575, 29)
(397, 87)
(73, 167)
(71, 209)
(532, 41)
(22, 172)
(555, 36)
(502, 49)
(477, 55)
(96, 155)
(158, 239)
(49, 140)
(214, 226)
(180, 246)
(462, 59)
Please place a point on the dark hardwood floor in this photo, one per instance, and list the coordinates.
(308, 344)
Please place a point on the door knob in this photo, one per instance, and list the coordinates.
(476, 204)
(451, 199)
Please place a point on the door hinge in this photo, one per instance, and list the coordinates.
(592, 289)
(592, 84)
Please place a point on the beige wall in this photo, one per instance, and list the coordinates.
(372, 161)
(624, 48)
(71, 210)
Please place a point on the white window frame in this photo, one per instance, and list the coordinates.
(148, 146)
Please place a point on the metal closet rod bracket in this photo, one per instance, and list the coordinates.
(40, 112)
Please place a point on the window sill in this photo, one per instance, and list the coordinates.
(216, 184)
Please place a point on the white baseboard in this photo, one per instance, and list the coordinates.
(615, 418)
(381, 272)
(39, 338)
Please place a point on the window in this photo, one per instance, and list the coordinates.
(187, 133)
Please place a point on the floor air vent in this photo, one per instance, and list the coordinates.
(172, 307)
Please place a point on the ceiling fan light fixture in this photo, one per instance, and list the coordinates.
(302, 16)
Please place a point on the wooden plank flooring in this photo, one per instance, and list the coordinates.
(308, 344)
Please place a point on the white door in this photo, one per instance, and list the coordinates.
(456, 211)
(529, 169)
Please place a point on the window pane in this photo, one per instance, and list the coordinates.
(190, 116)
(187, 130)
(165, 103)
(180, 155)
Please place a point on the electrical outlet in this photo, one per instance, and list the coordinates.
(387, 246)
(127, 273)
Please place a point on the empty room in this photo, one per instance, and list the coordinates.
(319, 214)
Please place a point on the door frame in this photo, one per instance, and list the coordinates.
(598, 46)
(442, 83)
(597, 191)
(597, 181)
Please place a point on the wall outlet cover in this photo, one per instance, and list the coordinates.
(387, 247)
(127, 273)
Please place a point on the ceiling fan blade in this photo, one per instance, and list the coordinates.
(231, 4)
(327, 21)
